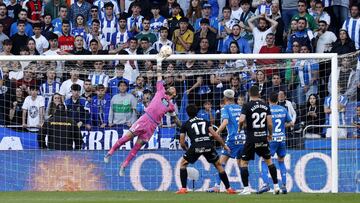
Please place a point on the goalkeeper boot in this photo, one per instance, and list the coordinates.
(213, 189)
(276, 189)
(107, 158)
(283, 189)
(182, 191)
(245, 191)
(264, 188)
(230, 191)
(122, 171)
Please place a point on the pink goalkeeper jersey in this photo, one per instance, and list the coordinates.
(160, 104)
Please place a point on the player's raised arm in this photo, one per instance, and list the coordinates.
(159, 70)
(218, 138)
(269, 126)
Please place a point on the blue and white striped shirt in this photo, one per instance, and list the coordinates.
(327, 104)
(48, 90)
(352, 26)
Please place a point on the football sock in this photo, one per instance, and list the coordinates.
(282, 172)
(218, 178)
(264, 172)
(224, 178)
(118, 143)
(273, 173)
(244, 176)
(131, 155)
(183, 177)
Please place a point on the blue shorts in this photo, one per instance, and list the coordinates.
(279, 148)
(236, 148)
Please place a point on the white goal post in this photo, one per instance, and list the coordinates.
(329, 56)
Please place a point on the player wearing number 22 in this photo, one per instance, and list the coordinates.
(280, 120)
(198, 130)
(257, 117)
(145, 126)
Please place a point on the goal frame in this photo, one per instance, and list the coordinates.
(334, 78)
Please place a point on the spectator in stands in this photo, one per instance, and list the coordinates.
(13, 9)
(27, 81)
(134, 22)
(340, 10)
(174, 18)
(119, 39)
(307, 71)
(146, 32)
(311, 24)
(3, 36)
(49, 87)
(122, 107)
(163, 39)
(235, 9)
(52, 8)
(80, 27)
(7, 46)
(204, 32)
(212, 24)
(348, 79)
(351, 26)
(356, 121)
(263, 7)
(269, 48)
(236, 85)
(290, 106)
(77, 107)
(262, 83)
(41, 42)
(225, 27)
(109, 24)
(140, 108)
(99, 77)
(16, 72)
(235, 49)
(88, 93)
(55, 128)
(114, 82)
(324, 38)
(57, 22)
(302, 35)
(183, 37)
(343, 44)
(5, 20)
(54, 101)
(65, 40)
(19, 39)
(100, 107)
(34, 10)
(194, 11)
(280, 28)
(276, 85)
(15, 113)
(94, 34)
(28, 30)
(235, 36)
(47, 28)
(65, 89)
(79, 7)
(157, 21)
(207, 112)
(342, 102)
(131, 70)
(320, 14)
(138, 88)
(314, 115)
(94, 15)
(167, 10)
(292, 29)
(33, 110)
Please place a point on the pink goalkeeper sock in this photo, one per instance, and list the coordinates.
(118, 144)
(131, 155)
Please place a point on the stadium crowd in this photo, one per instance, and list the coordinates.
(104, 94)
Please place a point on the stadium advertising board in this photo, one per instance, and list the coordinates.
(308, 171)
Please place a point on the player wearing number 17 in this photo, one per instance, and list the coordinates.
(199, 131)
(257, 117)
(145, 126)
(280, 119)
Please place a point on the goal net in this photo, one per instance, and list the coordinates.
(42, 148)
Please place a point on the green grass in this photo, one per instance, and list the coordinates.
(106, 197)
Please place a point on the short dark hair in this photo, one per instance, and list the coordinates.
(94, 7)
(302, 18)
(191, 110)
(33, 87)
(75, 87)
(119, 67)
(95, 21)
(21, 22)
(302, 1)
(36, 25)
(122, 81)
(94, 40)
(273, 98)
(100, 86)
(254, 91)
(65, 21)
(163, 28)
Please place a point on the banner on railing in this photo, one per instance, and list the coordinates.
(94, 139)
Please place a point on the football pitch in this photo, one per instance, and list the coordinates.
(109, 197)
